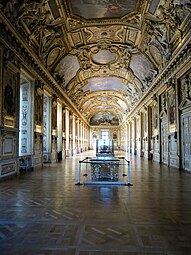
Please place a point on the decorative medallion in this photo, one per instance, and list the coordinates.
(52, 56)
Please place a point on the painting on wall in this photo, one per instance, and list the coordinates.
(114, 135)
(94, 135)
(68, 68)
(163, 102)
(95, 9)
(104, 119)
(10, 85)
(38, 107)
(171, 107)
(155, 117)
(145, 122)
(185, 87)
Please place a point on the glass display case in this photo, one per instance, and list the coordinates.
(104, 168)
(104, 148)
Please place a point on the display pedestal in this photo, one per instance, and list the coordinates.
(104, 169)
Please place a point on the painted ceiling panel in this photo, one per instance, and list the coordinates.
(104, 107)
(122, 104)
(141, 66)
(68, 68)
(104, 119)
(153, 6)
(105, 83)
(104, 54)
(104, 57)
(102, 8)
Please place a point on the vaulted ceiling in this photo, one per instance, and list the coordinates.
(103, 53)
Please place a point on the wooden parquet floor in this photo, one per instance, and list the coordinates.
(44, 213)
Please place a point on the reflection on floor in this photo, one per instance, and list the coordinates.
(44, 213)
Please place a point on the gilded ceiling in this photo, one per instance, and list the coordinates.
(104, 54)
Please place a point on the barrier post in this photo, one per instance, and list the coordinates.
(129, 176)
(79, 173)
(123, 166)
(86, 173)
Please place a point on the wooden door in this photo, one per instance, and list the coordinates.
(186, 142)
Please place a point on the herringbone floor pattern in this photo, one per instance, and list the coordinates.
(44, 213)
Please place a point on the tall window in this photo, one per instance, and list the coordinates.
(59, 127)
(104, 134)
(25, 120)
(47, 127)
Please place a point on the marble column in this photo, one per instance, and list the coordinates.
(138, 135)
(67, 131)
(134, 136)
(119, 140)
(85, 138)
(82, 136)
(47, 128)
(126, 136)
(70, 135)
(130, 136)
(78, 135)
(54, 155)
(146, 149)
(73, 134)
(59, 129)
(141, 132)
(63, 135)
(88, 137)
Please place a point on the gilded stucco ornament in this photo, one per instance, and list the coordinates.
(115, 54)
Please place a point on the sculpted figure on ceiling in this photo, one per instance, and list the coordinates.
(162, 26)
(33, 18)
(17, 10)
(84, 58)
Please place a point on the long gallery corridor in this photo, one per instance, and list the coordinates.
(44, 213)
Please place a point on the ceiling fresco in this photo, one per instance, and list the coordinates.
(67, 68)
(104, 57)
(105, 83)
(104, 119)
(141, 66)
(104, 54)
(153, 6)
(102, 8)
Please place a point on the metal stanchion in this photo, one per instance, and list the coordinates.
(129, 176)
(86, 173)
(79, 173)
(123, 166)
